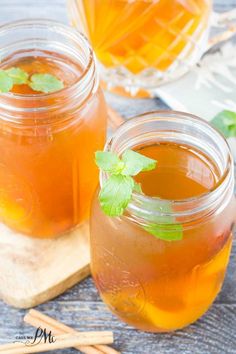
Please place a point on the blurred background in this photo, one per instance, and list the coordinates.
(11, 10)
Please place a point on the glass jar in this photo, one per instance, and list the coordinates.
(143, 44)
(47, 141)
(150, 282)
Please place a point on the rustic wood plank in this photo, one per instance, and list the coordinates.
(214, 333)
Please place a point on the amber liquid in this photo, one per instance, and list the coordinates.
(156, 285)
(143, 34)
(47, 169)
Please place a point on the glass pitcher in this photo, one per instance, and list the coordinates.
(143, 44)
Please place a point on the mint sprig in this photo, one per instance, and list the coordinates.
(109, 162)
(225, 122)
(45, 83)
(116, 192)
(135, 163)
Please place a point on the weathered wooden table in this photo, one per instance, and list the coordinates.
(81, 306)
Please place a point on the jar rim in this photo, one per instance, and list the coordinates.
(70, 33)
(203, 200)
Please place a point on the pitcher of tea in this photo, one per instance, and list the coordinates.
(143, 44)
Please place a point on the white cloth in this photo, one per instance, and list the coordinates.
(208, 88)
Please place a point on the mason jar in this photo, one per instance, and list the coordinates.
(156, 282)
(48, 140)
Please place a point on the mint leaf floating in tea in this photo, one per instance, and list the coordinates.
(225, 122)
(6, 82)
(18, 76)
(45, 83)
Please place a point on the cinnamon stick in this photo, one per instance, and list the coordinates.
(60, 342)
(38, 319)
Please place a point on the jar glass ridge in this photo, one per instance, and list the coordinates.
(48, 34)
(172, 125)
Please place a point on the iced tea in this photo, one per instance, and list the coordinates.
(47, 141)
(149, 36)
(158, 285)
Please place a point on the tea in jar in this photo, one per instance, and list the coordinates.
(52, 121)
(159, 256)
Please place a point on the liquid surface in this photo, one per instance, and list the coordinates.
(180, 173)
(43, 62)
(47, 169)
(143, 34)
(153, 284)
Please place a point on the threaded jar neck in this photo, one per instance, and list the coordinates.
(178, 128)
(40, 35)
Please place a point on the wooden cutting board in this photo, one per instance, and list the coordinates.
(33, 271)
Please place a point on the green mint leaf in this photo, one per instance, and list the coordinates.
(137, 187)
(6, 82)
(166, 232)
(18, 76)
(117, 190)
(225, 122)
(116, 194)
(135, 163)
(109, 162)
(164, 207)
(45, 83)
(160, 224)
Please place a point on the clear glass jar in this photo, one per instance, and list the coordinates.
(143, 44)
(149, 282)
(47, 141)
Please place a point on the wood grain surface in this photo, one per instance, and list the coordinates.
(24, 261)
(81, 307)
